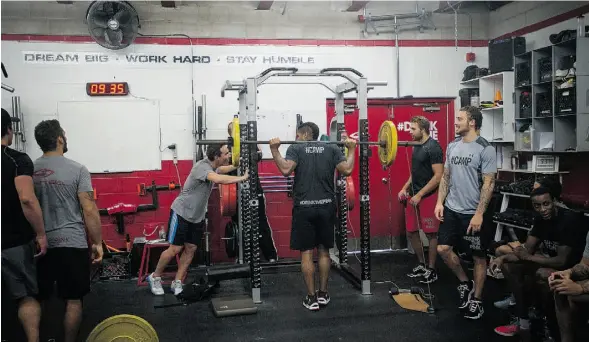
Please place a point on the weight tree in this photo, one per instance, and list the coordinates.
(247, 196)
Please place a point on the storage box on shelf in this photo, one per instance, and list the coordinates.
(552, 110)
(496, 89)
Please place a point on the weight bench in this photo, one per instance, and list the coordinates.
(230, 305)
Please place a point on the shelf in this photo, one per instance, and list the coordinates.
(491, 109)
(514, 195)
(513, 225)
(530, 171)
(493, 77)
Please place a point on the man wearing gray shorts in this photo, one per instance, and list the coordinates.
(65, 192)
(22, 225)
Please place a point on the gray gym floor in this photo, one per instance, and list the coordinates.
(281, 317)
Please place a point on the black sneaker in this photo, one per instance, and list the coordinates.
(474, 310)
(418, 271)
(322, 297)
(429, 276)
(310, 302)
(466, 291)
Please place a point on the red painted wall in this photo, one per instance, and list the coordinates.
(386, 213)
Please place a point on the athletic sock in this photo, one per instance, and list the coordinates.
(524, 323)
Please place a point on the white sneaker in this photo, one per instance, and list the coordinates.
(571, 73)
(177, 287)
(155, 284)
(561, 73)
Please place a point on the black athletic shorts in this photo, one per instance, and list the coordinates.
(312, 226)
(181, 231)
(19, 272)
(69, 268)
(453, 229)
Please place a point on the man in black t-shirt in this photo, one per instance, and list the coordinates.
(267, 245)
(314, 207)
(22, 225)
(419, 192)
(555, 243)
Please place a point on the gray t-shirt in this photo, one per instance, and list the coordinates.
(467, 162)
(586, 252)
(192, 202)
(58, 180)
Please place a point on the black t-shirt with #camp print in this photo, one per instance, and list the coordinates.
(562, 230)
(424, 156)
(314, 173)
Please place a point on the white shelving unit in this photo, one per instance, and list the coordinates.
(498, 122)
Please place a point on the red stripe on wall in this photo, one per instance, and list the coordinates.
(548, 22)
(242, 41)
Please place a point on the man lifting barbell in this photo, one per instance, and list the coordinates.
(186, 223)
(314, 211)
(267, 244)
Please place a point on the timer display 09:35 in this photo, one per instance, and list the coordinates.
(107, 89)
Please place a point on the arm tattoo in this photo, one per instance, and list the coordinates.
(580, 272)
(486, 192)
(443, 190)
(89, 195)
(585, 286)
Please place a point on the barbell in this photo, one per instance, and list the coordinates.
(387, 142)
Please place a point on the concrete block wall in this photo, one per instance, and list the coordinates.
(240, 19)
(519, 14)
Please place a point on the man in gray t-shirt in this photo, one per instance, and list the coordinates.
(65, 194)
(463, 196)
(186, 224)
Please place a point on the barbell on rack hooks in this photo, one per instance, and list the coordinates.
(387, 142)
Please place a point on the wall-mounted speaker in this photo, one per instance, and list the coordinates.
(501, 52)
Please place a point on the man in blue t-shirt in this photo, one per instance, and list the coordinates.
(314, 211)
(463, 196)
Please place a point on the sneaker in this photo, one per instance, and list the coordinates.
(505, 303)
(509, 330)
(429, 276)
(177, 287)
(418, 271)
(322, 297)
(310, 302)
(571, 73)
(155, 284)
(466, 291)
(561, 73)
(474, 310)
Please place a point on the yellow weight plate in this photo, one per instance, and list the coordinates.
(123, 328)
(388, 134)
(236, 148)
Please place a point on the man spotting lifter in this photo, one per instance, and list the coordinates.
(314, 210)
(22, 226)
(427, 166)
(63, 187)
(186, 223)
(465, 191)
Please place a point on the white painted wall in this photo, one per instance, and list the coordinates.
(240, 19)
(425, 71)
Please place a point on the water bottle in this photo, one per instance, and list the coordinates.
(162, 233)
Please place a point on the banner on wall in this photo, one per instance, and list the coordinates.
(85, 58)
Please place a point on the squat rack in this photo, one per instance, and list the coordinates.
(248, 236)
